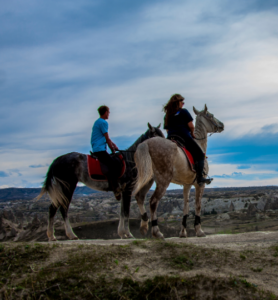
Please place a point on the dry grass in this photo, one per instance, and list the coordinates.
(147, 269)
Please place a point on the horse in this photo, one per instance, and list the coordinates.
(67, 170)
(162, 161)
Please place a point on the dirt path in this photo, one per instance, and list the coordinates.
(227, 241)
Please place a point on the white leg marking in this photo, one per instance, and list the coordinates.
(50, 231)
(70, 234)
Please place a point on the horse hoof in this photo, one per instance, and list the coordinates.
(182, 235)
(159, 236)
(129, 236)
(200, 234)
(52, 239)
(143, 231)
(74, 238)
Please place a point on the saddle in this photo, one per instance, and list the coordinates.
(181, 144)
(96, 169)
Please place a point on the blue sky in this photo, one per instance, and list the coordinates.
(59, 61)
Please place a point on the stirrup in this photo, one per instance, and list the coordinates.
(204, 180)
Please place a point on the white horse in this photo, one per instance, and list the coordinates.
(162, 161)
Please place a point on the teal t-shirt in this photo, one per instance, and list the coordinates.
(98, 140)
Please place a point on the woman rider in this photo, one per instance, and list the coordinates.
(178, 121)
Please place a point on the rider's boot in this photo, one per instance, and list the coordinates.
(199, 167)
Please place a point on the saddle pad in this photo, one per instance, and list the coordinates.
(189, 158)
(94, 168)
(188, 155)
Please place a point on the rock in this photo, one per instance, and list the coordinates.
(58, 223)
(2, 229)
(36, 222)
(252, 210)
(21, 236)
(271, 204)
(12, 233)
(176, 211)
(8, 214)
(43, 221)
(223, 217)
(1, 223)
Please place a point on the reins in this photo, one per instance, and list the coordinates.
(217, 127)
(206, 136)
(132, 151)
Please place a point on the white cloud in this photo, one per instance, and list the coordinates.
(208, 54)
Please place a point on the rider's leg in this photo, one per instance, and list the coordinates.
(199, 159)
(107, 160)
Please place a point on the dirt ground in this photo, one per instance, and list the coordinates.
(239, 266)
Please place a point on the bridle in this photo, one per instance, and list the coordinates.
(213, 122)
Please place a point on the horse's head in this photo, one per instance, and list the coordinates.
(154, 131)
(211, 123)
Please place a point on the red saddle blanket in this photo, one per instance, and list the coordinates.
(94, 168)
(188, 155)
(189, 158)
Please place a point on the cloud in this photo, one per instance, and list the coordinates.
(132, 55)
(243, 167)
(4, 174)
(233, 175)
(38, 166)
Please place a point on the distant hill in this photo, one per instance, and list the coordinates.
(30, 193)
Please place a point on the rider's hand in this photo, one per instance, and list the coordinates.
(115, 147)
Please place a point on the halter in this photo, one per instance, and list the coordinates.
(213, 122)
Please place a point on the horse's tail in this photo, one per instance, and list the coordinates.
(55, 187)
(144, 167)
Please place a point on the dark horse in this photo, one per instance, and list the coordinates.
(67, 170)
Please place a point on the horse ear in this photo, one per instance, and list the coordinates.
(195, 111)
(158, 126)
(206, 109)
(150, 127)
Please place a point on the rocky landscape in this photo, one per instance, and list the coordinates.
(224, 210)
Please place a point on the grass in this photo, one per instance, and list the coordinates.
(20, 260)
(242, 256)
(33, 271)
(182, 262)
(275, 248)
(257, 269)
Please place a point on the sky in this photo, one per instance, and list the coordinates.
(61, 60)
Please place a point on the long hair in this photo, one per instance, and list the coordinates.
(172, 107)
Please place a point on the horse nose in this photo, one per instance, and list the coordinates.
(222, 126)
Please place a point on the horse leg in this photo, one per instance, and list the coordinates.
(69, 233)
(140, 198)
(186, 191)
(123, 228)
(156, 196)
(50, 229)
(199, 190)
(68, 191)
